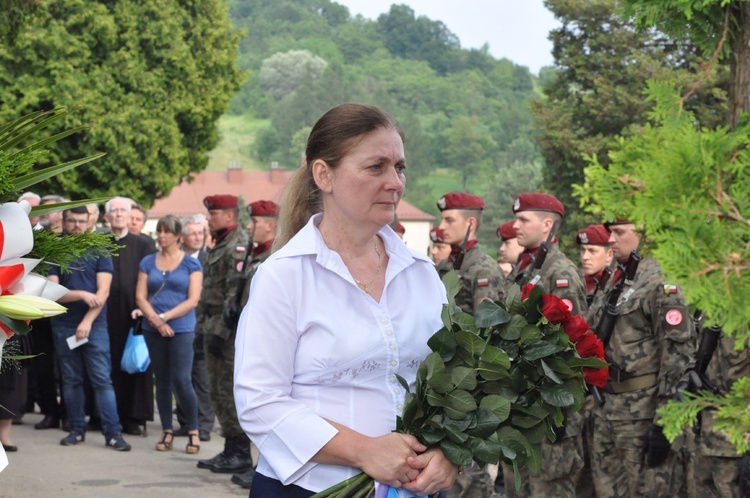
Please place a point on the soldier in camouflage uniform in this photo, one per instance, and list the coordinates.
(650, 349)
(562, 461)
(596, 255)
(713, 466)
(480, 279)
(509, 250)
(221, 272)
(262, 231)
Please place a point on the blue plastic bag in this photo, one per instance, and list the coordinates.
(135, 358)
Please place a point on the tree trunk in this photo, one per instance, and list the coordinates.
(739, 92)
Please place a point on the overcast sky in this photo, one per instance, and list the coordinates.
(515, 29)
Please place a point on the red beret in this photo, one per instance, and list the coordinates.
(506, 232)
(220, 202)
(538, 202)
(595, 235)
(460, 200)
(263, 208)
(436, 235)
(399, 228)
(618, 221)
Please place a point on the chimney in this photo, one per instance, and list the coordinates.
(277, 173)
(234, 172)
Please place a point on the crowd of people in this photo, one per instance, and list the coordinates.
(293, 333)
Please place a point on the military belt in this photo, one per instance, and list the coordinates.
(634, 384)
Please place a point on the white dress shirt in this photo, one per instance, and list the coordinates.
(311, 345)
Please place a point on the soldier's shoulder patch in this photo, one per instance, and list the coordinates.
(673, 317)
(240, 249)
(483, 282)
(562, 283)
(670, 289)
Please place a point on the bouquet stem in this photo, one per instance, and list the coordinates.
(359, 486)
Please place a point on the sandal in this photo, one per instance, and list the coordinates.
(191, 448)
(165, 444)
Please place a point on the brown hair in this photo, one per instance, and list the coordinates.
(169, 223)
(332, 137)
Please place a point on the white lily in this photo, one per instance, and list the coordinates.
(26, 307)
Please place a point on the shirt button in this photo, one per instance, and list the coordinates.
(389, 332)
(393, 378)
(394, 363)
(393, 347)
(400, 407)
(383, 321)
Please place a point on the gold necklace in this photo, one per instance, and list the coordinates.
(366, 286)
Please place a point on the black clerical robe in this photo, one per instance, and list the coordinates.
(134, 392)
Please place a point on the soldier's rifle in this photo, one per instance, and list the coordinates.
(531, 275)
(606, 324)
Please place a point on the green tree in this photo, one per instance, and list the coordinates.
(16, 13)
(602, 64)
(466, 146)
(150, 78)
(282, 73)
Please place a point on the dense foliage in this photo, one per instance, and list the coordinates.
(151, 78)
(602, 65)
(466, 114)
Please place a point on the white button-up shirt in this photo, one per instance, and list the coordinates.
(311, 345)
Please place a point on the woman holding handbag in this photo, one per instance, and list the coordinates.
(168, 290)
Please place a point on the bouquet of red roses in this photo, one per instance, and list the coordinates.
(497, 382)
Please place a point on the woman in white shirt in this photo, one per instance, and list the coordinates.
(334, 315)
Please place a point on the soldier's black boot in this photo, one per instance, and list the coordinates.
(237, 457)
(218, 459)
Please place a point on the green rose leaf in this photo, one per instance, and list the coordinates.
(465, 321)
(512, 329)
(445, 316)
(550, 373)
(441, 382)
(490, 314)
(591, 362)
(492, 371)
(560, 367)
(530, 333)
(464, 378)
(460, 400)
(455, 433)
(536, 433)
(498, 405)
(487, 424)
(486, 451)
(431, 437)
(557, 395)
(443, 343)
(534, 458)
(457, 454)
(434, 364)
(540, 349)
(435, 399)
(452, 286)
(470, 342)
(496, 356)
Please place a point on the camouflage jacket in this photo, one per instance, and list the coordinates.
(252, 267)
(726, 366)
(480, 278)
(560, 277)
(653, 334)
(221, 272)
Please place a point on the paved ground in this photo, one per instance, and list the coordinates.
(42, 468)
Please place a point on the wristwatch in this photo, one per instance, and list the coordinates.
(161, 315)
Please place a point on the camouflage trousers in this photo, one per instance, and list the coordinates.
(616, 454)
(712, 476)
(475, 482)
(221, 384)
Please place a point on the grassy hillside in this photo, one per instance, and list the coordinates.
(237, 136)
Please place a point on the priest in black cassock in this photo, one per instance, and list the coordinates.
(134, 392)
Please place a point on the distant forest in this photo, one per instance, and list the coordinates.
(466, 115)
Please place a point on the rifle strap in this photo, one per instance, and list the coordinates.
(634, 384)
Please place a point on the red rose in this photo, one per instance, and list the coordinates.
(589, 345)
(596, 376)
(554, 309)
(575, 327)
(526, 291)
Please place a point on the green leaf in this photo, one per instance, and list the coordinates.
(536, 433)
(512, 330)
(487, 423)
(490, 314)
(452, 286)
(61, 206)
(444, 343)
(496, 356)
(446, 317)
(441, 382)
(550, 373)
(455, 434)
(492, 371)
(498, 405)
(457, 454)
(464, 378)
(592, 362)
(16, 326)
(534, 458)
(470, 342)
(465, 321)
(559, 366)
(486, 452)
(435, 399)
(501, 388)
(530, 333)
(557, 395)
(461, 401)
(431, 436)
(434, 364)
(540, 349)
(27, 180)
(403, 383)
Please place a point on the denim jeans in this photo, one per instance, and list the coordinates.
(172, 361)
(94, 355)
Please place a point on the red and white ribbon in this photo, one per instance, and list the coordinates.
(16, 234)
